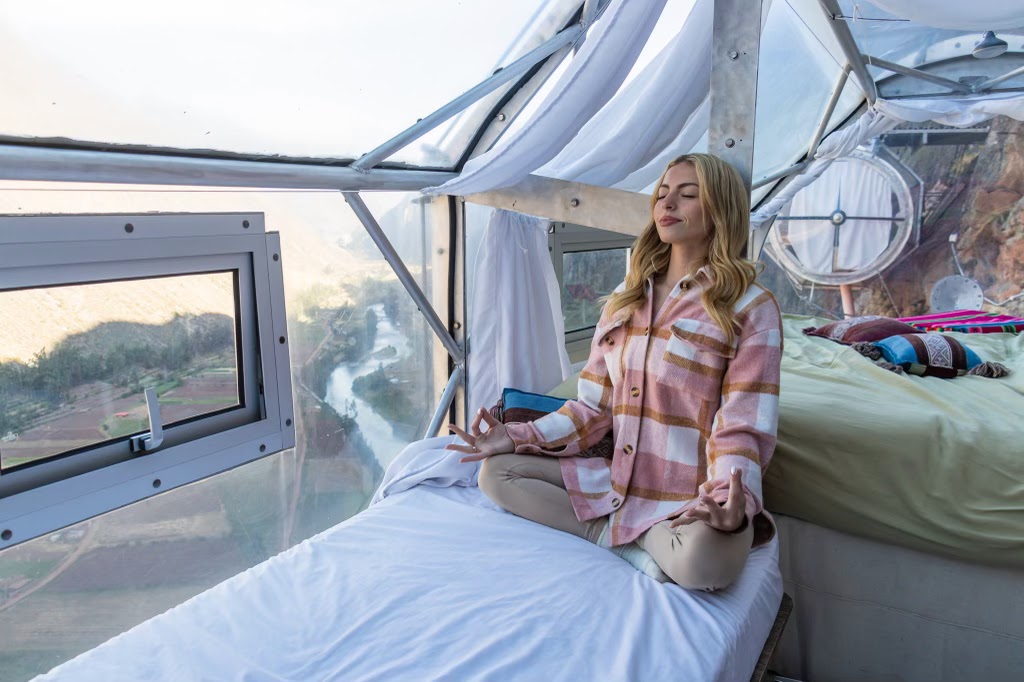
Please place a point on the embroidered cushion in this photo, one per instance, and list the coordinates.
(935, 355)
(517, 406)
(861, 329)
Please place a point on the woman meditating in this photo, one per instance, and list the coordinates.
(684, 369)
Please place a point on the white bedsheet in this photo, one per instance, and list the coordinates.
(434, 583)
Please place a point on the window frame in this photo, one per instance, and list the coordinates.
(46, 251)
(566, 238)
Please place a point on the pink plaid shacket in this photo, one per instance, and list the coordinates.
(684, 408)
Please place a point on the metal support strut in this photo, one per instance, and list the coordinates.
(465, 100)
(404, 276)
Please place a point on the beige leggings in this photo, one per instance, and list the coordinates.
(694, 556)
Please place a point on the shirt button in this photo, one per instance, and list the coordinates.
(634, 391)
(616, 502)
(628, 449)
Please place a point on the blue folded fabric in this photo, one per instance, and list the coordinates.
(513, 398)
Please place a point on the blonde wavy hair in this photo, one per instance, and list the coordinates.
(726, 205)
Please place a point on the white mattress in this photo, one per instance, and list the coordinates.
(434, 583)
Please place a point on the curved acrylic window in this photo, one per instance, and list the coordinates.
(969, 225)
(363, 388)
(326, 80)
(796, 75)
(886, 36)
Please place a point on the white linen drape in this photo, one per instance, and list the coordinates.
(646, 117)
(516, 332)
(592, 78)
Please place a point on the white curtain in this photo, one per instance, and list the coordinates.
(962, 15)
(592, 78)
(858, 189)
(516, 333)
(646, 118)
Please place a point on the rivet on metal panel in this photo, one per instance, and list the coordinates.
(734, 55)
(245, 224)
(157, 482)
(277, 257)
(263, 447)
(457, 325)
(129, 228)
(501, 117)
(574, 203)
(287, 422)
(281, 340)
(6, 535)
(730, 143)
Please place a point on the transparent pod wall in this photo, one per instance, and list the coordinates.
(361, 358)
(968, 213)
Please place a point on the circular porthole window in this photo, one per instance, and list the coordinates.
(848, 225)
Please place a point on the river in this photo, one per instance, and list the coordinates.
(375, 429)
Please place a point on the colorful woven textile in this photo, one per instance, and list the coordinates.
(966, 322)
(997, 328)
(929, 355)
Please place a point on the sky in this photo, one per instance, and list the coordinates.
(301, 78)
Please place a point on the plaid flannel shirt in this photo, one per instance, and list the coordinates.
(684, 408)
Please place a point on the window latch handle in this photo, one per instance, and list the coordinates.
(147, 442)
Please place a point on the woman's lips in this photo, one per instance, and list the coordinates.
(667, 220)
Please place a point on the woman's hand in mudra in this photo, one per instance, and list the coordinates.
(482, 444)
(727, 517)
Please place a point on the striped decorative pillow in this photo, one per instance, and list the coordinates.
(861, 329)
(929, 355)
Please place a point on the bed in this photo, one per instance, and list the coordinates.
(926, 463)
(899, 502)
(434, 582)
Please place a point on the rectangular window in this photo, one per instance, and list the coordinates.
(589, 264)
(76, 361)
(587, 277)
(141, 353)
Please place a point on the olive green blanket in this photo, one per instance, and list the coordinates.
(928, 463)
(932, 464)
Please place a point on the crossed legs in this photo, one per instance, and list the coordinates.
(695, 556)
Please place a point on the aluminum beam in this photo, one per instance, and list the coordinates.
(465, 100)
(735, 48)
(987, 85)
(404, 276)
(26, 162)
(778, 175)
(572, 202)
(920, 75)
(445, 403)
(849, 48)
(830, 108)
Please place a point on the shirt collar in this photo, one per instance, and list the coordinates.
(704, 272)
